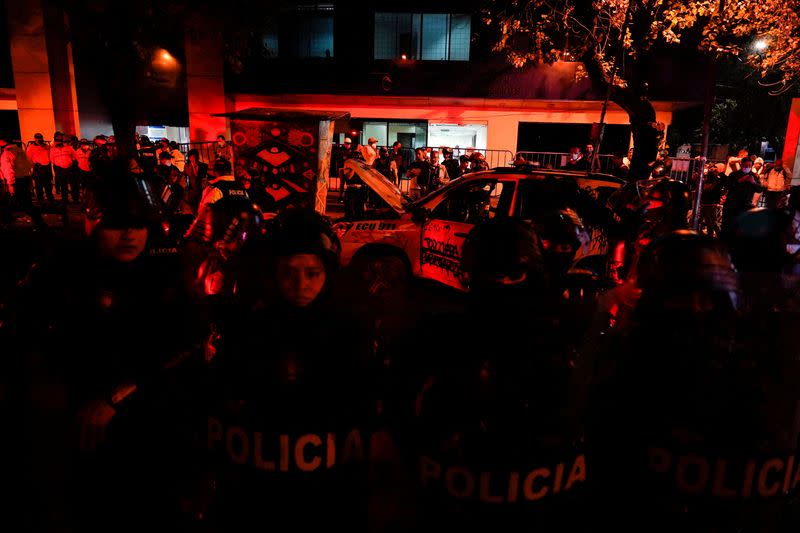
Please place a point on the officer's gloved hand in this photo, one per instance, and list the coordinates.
(93, 419)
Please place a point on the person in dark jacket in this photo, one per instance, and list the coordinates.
(197, 173)
(97, 328)
(288, 412)
(682, 425)
(711, 199)
(742, 187)
(496, 437)
(576, 160)
(147, 154)
(453, 168)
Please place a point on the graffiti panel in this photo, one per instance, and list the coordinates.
(282, 155)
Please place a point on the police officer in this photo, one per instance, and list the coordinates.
(165, 167)
(121, 317)
(225, 218)
(497, 441)
(684, 430)
(562, 235)
(224, 186)
(83, 167)
(176, 203)
(39, 154)
(15, 172)
(662, 207)
(63, 157)
(147, 154)
(288, 421)
(101, 157)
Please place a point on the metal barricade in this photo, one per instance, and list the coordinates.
(556, 160)
(205, 150)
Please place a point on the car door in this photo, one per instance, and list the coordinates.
(453, 215)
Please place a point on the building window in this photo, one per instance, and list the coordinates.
(306, 31)
(270, 39)
(426, 36)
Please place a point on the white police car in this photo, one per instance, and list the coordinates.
(425, 238)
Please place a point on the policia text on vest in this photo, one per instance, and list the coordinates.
(285, 453)
(504, 487)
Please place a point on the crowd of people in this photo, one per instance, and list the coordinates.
(430, 170)
(228, 375)
(66, 168)
(732, 188)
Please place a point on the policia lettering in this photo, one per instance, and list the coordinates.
(307, 453)
(464, 484)
(724, 478)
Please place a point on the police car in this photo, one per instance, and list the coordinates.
(424, 238)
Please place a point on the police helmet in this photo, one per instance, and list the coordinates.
(759, 240)
(685, 262)
(659, 171)
(121, 200)
(300, 231)
(235, 220)
(503, 254)
(667, 200)
(561, 235)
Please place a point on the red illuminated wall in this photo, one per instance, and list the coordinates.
(204, 81)
(791, 150)
(31, 68)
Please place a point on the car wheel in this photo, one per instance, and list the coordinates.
(380, 275)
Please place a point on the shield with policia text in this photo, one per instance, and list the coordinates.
(288, 151)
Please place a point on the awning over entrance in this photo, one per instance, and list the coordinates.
(270, 113)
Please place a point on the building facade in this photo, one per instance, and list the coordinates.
(419, 74)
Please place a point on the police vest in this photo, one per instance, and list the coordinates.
(231, 189)
(288, 430)
(706, 429)
(496, 442)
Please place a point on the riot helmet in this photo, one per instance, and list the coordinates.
(122, 214)
(304, 254)
(503, 258)
(759, 240)
(683, 274)
(562, 235)
(667, 201)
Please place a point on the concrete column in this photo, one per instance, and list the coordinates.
(31, 68)
(205, 82)
(323, 165)
(791, 148)
(62, 71)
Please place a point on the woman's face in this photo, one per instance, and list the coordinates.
(124, 244)
(301, 278)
